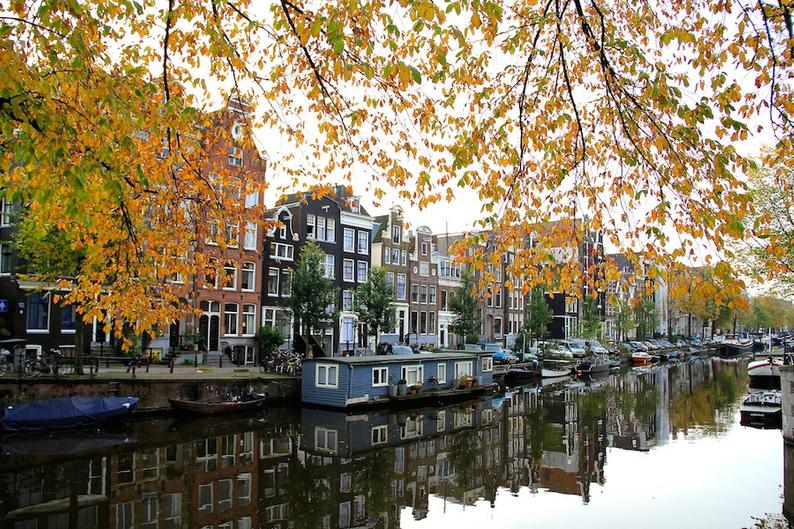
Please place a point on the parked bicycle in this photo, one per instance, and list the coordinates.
(50, 364)
(7, 360)
(284, 363)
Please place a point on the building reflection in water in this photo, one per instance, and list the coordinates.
(314, 468)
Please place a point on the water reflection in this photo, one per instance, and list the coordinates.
(320, 469)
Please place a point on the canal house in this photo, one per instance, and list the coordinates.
(342, 382)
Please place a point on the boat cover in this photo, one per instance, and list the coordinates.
(66, 412)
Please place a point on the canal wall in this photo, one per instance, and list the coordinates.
(787, 393)
(153, 394)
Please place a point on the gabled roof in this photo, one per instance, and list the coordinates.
(339, 195)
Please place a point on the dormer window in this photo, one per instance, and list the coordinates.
(237, 130)
(355, 206)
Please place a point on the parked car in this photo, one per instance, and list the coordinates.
(638, 346)
(472, 347)
(530, 354)
(401, 350)
(503, 356)
(576, 347)
(596, 347)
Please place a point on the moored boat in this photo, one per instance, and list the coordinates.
(765, 373)
(518, 375)
(593, 366)
(641, 358)
(216, 407)
(556, 368)
(762, 408)
(730, 348)
(67, 412)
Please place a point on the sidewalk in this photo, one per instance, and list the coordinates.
(161, 372)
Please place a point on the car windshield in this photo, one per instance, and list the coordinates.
(579, 344)
(402, 350)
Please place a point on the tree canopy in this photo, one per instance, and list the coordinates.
(464, 305)
(312, 293)
(373, 302)
(538, 314)
(620, 114)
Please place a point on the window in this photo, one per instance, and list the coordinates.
(212, 233)
(224, 494)
(413, 375)
(380, 434)
(249, 242)
(414, 293)
(443, 300)
(233, 234)
(431, 324)
(38, 306)
(486, 363)
(571, 304)
(401, 286)
(229, 276)
(329, 266)
(441, 418)
(331, 232)
(424, 269)
(390, 280)
(310, 226)
(423, 297)
(344, 515)
(395, 234)
(432, 297)
(247, 276)
(282, 251)
(286, 283)
(404, 258)
(347, 270)
(414, 321)
(413, 427)
(230, 319)
(243, 490)
(363, 242)
(441, 373)
(325, 439)
(68, 323)
(6, 253)
(235, 157)
(348, 242)
(395, 258)
(380, 376)
(463, 369)
(272, 282)
(6, 212)
(327, 376)
(423, 322)
(282, 231)
(498, 300)
(362, 271)
(252, 199)
(387, 255)
(321, 233)
(347, 300)
(497, 327)
(249, 320)
(205, 498)
(124, 516)
(424, 248)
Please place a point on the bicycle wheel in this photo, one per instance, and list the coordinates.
(29, 369)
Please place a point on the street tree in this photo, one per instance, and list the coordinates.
(646, 317)
(464, 305)
(538, 314)
(313, 297)
(591, 318)
(541, 110)
(373, 302)
(624, 320)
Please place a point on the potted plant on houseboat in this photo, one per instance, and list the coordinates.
(462, 381)
(402, 389)
(416, 389)
(473, 382)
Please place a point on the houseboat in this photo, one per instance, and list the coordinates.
(394, 380)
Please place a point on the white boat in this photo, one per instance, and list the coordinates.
(554, 373)
(556, 368)
(761, 408)
(641, 358)
(765, 373)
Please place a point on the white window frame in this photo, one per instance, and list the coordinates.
(469, 371)
(424, 248)
(396, 233)
(235, 157)
(380, 377)
(326, 434)
(359, 279)
(420, 373)
(10, 263)
(285, 293)
(236, 320)
(486, 364)
(346, 306)
(379, 435)
(251, 231)
(6, 213)
(270, 280)
(442, 366)
(311, 220)
(328, 368)
(252, 329)
(363, 249)
(403, 258)
(49, 313)
(387, 255)
(252, 272)
(330, 230)
(350, 248)
(352, 277)
(395, 258)
(424, 269)
(329, 272)
(226, 275)
(397, 289)
(281, 251)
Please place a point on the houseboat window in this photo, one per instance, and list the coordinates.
(413, 375)
(380, 376)
(441, 419)
(462, 419)
(487, 363)
(463, 369)
(379, 434)
(325, 439)
(412, 427)
(327, 376)
(441, 373)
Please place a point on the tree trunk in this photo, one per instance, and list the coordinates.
(689, 325)
(79, 344)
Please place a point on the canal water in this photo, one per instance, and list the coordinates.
(656, 447)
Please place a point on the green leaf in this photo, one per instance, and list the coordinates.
(416, 75)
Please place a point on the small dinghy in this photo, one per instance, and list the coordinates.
(762, 409)
(217, 407)
(66, 412)
(519, 375)
(641, 358)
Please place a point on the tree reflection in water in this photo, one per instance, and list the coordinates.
(328, 469)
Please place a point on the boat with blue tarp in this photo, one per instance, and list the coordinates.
(67, 412)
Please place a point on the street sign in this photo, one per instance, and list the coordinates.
(3, 305)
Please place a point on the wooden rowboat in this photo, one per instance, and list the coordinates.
(216, 407)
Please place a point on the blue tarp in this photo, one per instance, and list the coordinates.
(66, 412)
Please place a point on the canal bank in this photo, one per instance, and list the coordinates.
(154, 388)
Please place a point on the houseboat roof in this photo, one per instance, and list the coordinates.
(395, 359)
